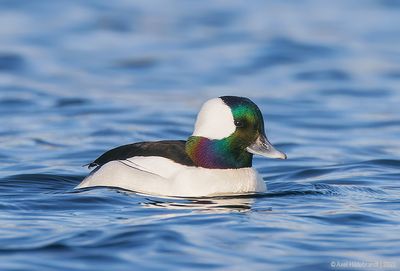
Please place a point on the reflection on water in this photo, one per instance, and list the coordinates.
(206, 205)
(80, 77)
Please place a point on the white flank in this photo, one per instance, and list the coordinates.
(161, 176)
(215, 120)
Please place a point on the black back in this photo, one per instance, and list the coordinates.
(171, 149)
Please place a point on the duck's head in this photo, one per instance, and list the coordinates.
(228, 131)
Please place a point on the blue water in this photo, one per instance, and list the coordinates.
(80, 77)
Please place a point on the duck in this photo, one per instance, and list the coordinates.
(216, 159)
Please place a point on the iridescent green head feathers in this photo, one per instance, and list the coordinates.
(228, 131)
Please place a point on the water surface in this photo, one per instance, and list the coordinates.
(78, 78)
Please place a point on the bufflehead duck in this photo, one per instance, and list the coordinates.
(215, 160)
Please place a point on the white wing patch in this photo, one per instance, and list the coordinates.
(160, 166)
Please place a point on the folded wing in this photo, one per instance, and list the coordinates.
(170, 149)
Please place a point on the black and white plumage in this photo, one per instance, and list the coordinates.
(170, 149)
(215, 160)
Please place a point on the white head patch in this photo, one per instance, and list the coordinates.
(215, 120)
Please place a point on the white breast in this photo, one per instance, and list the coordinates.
(161, 176)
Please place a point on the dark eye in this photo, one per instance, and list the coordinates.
(239, 123)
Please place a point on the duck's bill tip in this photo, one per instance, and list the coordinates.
(283, 157)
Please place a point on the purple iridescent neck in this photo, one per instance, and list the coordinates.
(222, 154)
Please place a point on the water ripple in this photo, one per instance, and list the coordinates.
(76, 83)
